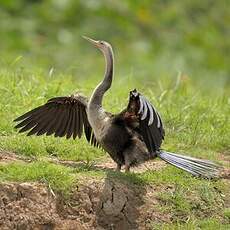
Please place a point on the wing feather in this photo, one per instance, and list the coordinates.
(64, 125)
(80, 123)
(33, 130)
(61, 121)
(151, 116)
(70, 123)
(33, 111)
(61, 116)
(46, 121)
(32, 119)
(150, 123)
(51, 127)
(76, 123)
(145, 109)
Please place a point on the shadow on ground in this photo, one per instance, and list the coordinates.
(120, 201)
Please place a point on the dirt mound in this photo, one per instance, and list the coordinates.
(108, 204)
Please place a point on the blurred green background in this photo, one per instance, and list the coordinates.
(151, 38)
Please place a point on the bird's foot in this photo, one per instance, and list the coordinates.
(118, 169)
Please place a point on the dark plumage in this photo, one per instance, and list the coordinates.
(61, 116)
(130, 137)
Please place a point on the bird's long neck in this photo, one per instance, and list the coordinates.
(97, 116)
(103, 86)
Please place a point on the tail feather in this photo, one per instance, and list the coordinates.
(197, 167)
(182, 165)
(187, 166)
(205, 162)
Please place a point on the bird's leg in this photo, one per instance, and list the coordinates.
(127, 168)
(118, 169)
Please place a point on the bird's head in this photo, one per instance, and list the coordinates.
(102, 45)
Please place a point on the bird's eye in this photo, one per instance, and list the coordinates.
(101, 42)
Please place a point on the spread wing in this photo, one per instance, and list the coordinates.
(150, 125)
(61, 116)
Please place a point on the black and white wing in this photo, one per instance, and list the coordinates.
(61, 116)
(150, 123)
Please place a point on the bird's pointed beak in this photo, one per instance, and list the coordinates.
(94, 42)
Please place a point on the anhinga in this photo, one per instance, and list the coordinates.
(130, 137)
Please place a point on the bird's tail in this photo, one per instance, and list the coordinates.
(197, 167)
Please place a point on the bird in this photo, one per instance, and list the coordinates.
(130, 137)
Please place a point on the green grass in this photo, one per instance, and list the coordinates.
(208, 224)
(199, 200)
(196, 122)
(57, 177)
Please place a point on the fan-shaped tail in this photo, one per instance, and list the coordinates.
(197, 167)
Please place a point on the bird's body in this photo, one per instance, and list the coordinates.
(123, 144)
(130, 137)
(116, 136)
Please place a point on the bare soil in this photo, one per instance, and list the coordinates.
(107, 204)
(109, 164)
